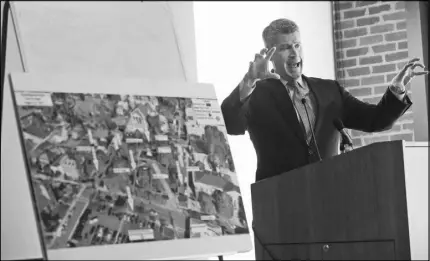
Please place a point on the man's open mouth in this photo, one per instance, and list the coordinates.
(294, 65)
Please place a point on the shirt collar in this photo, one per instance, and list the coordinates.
(299, 80)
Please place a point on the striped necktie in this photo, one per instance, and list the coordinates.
(298, 94)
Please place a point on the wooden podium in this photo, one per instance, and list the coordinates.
(370, 203)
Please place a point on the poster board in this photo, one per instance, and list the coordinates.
(108, 160)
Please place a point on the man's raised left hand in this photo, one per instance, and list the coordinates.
(406, 74)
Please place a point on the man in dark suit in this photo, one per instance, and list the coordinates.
(278, 108)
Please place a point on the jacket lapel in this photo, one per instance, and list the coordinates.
(285, 106)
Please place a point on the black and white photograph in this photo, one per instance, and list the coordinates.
(193, 130)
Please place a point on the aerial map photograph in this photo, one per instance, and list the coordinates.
(115, 169)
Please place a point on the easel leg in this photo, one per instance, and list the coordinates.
(5, 16)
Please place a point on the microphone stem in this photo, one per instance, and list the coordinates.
(350, 140)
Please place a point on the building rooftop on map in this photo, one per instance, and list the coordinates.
(42, 200)
(36, 129)
(120, 163)
(165, 159)
(120, 120)
(144, 109)
(24, 113)
(231, 187)
(182, 190)
(68, 156)
(114, 98)
(50, 155)
(158, 168)
(211, 180)
(168, 233)
(182, 197)
(100, 133)
(84, 142)
(87, 106)
(79, 155)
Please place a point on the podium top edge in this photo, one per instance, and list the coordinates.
(416, 143)
(394, 143)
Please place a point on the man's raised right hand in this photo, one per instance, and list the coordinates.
(259, 68)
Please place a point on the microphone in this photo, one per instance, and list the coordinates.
(312, 129)
(346, 139)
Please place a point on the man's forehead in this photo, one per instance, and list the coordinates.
(291, 38)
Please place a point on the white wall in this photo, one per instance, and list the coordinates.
(228, 34)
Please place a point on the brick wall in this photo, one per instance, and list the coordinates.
(371, 46)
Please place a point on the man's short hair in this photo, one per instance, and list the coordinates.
(279, 26)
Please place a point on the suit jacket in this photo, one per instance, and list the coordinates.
(269, 116)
